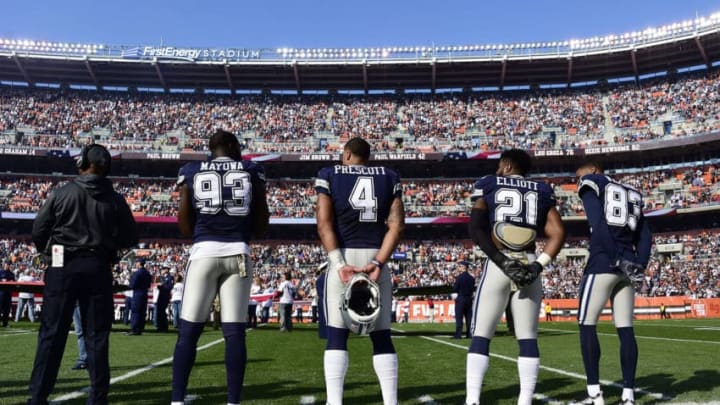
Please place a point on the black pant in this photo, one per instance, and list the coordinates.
(463, 310)
(87, 280)
(252, 316)
(161, 321)
(139, 311)
(5, 304)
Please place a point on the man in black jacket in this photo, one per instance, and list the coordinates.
(83, 226)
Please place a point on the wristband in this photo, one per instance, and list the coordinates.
(378, 263)
(335, 256)
(544, 259)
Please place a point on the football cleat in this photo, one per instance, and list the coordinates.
(596, 400)
(627, 401)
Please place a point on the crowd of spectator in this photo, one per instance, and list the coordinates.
(59, 118)
(686, 187)
(691, 268)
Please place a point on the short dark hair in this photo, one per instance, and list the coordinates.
(592, 163)
(359, 147)
(519, 159)
(224, 142)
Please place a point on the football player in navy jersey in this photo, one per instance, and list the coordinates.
(222, 206)
(360, 219)
(620, 242)
(508, 213)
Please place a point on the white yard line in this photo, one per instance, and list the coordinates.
(426, 400)
(712, 342)
(79, 393)
(16, 334)
(307, 400)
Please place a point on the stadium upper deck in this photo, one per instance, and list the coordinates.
(662, 49)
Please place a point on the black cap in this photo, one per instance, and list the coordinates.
(99, 157)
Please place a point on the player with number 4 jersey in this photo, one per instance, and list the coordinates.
(620, 242)
(509, 212)
(222, 206)
(360, 220)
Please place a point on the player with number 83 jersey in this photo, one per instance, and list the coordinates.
(620, 242)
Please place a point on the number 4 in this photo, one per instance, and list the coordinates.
(363, 199)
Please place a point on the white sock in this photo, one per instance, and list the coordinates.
(177, 403)
(628, 393)
(477, 365)
(594, 390)
(528, 368)
(386, 368)
(336, 364)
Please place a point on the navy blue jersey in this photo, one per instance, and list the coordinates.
(515, 200)
(222, 194)
(618, 229)
(361, 196)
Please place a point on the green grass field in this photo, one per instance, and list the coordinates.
(679, 362)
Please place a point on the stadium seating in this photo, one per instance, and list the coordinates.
(683, 187)
(444, 122)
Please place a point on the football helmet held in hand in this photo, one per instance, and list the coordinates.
(360, 304)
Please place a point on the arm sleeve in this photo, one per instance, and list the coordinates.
(182, 176)
(480, 234)
(258, 173)
(42, 227)
(598, 227)
(322, 182)
(644, 244)
(482, 187)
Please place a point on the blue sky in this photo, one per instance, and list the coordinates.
(326, 23)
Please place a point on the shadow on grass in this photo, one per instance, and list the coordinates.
(19, 388)
(700, 381)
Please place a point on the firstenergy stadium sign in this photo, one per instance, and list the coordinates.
(191, 54)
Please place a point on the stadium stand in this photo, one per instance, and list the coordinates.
(538, 119)
(685, 186)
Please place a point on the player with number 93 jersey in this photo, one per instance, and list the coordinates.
(222, 206)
